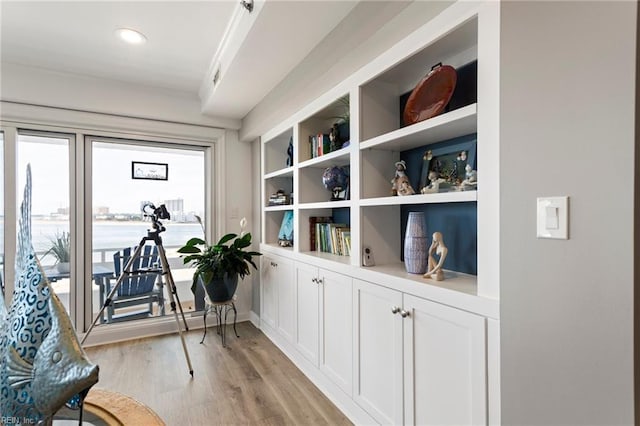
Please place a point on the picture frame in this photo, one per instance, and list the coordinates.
(450, 162)
(149, 171)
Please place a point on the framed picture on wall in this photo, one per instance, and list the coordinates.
(149, 171)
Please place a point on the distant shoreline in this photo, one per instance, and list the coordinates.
(114, 222)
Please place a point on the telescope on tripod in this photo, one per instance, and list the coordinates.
(153, 236)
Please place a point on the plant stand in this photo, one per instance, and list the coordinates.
(221, 310)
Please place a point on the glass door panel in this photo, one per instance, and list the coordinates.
(130, 179)
(49, 159)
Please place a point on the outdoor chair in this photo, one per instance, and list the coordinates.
(142, 287)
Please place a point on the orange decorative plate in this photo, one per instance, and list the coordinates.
(431, 95)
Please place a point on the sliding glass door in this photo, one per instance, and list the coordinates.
(140, 189)
(48, 154)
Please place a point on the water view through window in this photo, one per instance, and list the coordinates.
(119, 223)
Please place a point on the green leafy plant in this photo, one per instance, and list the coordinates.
(344, 112)
(227, 257)
(60, 247)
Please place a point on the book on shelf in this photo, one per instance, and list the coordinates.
(347, 242)
(319, 144)
(313, 220)
(330, 238)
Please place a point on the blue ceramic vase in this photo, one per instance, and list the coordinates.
(416, 244)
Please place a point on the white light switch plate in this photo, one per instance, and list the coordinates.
(553, 218)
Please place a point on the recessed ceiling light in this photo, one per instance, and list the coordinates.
(131, 36)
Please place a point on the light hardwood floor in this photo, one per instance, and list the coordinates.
(249, 382)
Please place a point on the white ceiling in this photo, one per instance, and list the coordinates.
(186, 41)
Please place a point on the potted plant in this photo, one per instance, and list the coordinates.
(61, 250)
(219, 266)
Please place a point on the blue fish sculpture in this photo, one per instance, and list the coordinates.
(42, 364)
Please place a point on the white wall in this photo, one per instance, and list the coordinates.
(567, 128)
(19, 83)
(238, 197)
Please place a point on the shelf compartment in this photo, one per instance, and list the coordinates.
(272, 224)
(442, 197)
(311, 188)
(377, 168)
(383, 228)
(452, 124)
(337, 215)
(321, 123)
(275, 152)
(380, 98)
(274, 184)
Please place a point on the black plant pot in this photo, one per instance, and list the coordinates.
(221, 290)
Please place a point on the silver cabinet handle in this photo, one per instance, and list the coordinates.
(404, 313)
(395, 310)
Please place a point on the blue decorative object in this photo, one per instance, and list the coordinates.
(42, 365)
(336, 180)
(290, 152)
(285, 236)
(415, 244)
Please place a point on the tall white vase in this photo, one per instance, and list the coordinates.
(415, 244)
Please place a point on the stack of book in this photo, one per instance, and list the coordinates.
(328, 237)
(279, 199)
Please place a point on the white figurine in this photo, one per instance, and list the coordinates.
(470, 178)
(434, 183)
(400, 183)
(434, 269)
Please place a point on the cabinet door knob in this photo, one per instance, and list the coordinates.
(404, 313)
(395, 310)
(314, 280)
(320, 281)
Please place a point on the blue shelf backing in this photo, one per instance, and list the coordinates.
(458, 223)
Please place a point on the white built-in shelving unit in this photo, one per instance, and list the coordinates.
(376, 142)
(464, 32)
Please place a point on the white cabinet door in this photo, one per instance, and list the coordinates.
(268, 291)
(307, 311)
(445, 365)
(336, 328)
(378, 369)
(286, 298)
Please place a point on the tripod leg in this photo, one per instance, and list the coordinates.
(166, 272)
(184, 345)
(109, 300)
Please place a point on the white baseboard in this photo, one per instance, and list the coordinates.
(255, 319)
